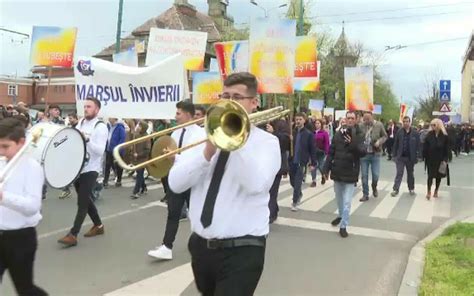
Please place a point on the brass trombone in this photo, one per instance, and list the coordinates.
(227, 125)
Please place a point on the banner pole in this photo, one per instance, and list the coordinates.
(50, 72)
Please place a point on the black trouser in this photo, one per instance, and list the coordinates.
(166, 187)
(389, 143)
(430, 183)
(227, 272)
(273, 202)
(176, 202)
(17, 254)
(85, 205)
(110, 164)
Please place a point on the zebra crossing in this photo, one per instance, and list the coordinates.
(402, 207)
(321, 199)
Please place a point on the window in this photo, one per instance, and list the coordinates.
(12, 90)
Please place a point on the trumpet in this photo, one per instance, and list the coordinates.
(227, 126)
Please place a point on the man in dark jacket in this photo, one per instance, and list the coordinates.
(343, 162)
(392, 130)
(117, 136)
(304, 151)
(405, 152)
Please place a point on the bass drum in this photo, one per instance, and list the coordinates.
(61, 151)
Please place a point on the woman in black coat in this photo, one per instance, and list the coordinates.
(435, 152)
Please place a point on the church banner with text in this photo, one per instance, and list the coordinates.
(52, 46)
(131, 92)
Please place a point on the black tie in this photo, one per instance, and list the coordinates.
(208, 209)
(181, 138)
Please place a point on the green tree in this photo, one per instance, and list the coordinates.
(428, 103)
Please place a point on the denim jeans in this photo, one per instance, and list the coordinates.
(140, 185)
(319, 166)
(344, 192)
(374, 161)
(296, 180)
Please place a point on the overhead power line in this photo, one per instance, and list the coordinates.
(394, 10)
(398, 47)
(391, 18)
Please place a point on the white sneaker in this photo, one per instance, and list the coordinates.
(294, 208)
(161, 252)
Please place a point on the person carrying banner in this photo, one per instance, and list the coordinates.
(177, 201)
(95, 133)
(229, 201)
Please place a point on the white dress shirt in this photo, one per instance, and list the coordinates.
(97, 141)
(241, 206)
(192, 134)
(22, 191)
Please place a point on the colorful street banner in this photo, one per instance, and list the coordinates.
(207, 86)
(340, 114)
(52, 46)
(308, 83)
(131, 92)
(377, 109)
(163, 43)
(126, 58)
(272, 54)
(213, 65)
(306, 57)
(232, 57)
(359, 84)
(403, 112)
(316, 105)
(328, 111)
(140, 46)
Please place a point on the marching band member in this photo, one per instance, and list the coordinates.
(229, 202)
(177, 202)
(20, 206)
(96, 134)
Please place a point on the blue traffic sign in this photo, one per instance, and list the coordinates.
(445, 85)
(445, 95)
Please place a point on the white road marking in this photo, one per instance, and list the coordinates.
(442, 205)
(421, 210)
(353, 230)
(171, 282)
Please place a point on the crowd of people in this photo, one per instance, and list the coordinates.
(238, 189)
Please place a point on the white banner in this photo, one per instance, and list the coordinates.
(129, 92)
(163, 43)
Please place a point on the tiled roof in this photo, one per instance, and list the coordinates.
(178, 17)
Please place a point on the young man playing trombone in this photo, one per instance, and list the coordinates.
(229, 197)
(176, 202)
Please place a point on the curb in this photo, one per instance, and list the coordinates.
(416, 260)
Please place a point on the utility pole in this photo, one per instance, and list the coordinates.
(119, 27)
(300, 26)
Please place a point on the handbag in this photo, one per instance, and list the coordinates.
(443, 168)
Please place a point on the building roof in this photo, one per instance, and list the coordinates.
(178, 17)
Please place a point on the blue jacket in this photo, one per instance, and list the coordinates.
(307, 153)
(414, 144)
(118, 137)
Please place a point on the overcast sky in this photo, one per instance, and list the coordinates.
(418, 24)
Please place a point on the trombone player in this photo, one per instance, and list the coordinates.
(229, 201)
(177, 202)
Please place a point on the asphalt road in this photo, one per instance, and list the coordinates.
(304, 256)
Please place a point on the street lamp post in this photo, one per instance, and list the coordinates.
(264, 9)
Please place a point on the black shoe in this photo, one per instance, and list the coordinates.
(343, 232)
(336, 221)
(118, 184)
(375, 191)
(272, 219)
(364, 198)
(105, 185)
(164, 199)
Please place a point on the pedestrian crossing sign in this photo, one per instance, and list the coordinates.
(444, 108)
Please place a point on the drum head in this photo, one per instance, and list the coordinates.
(64, 157)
